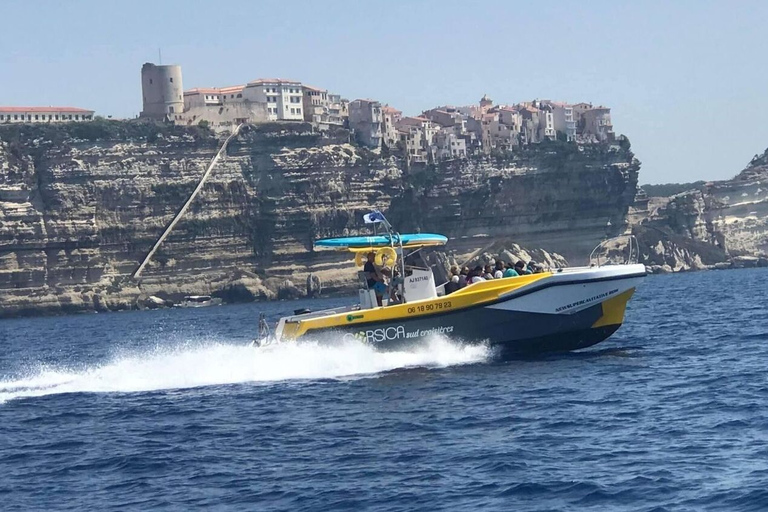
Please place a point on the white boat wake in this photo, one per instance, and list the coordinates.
(208, 364)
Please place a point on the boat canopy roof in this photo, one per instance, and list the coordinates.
(358, 243)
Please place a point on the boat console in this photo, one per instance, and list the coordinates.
(419, 285)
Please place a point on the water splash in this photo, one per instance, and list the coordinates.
(220, 363)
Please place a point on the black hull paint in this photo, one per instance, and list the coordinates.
(509, 333)
(565, 342)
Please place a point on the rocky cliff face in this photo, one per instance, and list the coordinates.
(561, 197)
(722, 224)
(81, 205)
(743, 219)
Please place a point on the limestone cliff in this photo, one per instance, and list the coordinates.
(721, 224)
(81, 205)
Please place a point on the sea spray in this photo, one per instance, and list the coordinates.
(215, 363)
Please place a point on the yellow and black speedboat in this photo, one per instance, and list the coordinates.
(558, 310)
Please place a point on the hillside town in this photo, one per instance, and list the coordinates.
(443, 132)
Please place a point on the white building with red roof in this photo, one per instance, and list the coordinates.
(44, 114)
(282, 98)
(212, 96)
(221, 107)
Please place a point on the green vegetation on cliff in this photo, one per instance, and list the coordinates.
(670, 189)
(100, 130)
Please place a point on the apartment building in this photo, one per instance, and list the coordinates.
(597, 123)
(284, 98)
(563, 119)
(412, 141)
(390, 118)
(365, 118)
(450, 145)
(322, 108)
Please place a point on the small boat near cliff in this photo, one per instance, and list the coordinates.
(552, 311)
(199, 301)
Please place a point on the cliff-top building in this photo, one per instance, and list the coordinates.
(389, 118)
(365, 119)
(162, 91)
(221, 108)
(203, 97)
(597, 123)
(563, 119)
(322, 108)
(44, 114)
(265, 99)
(479, 127)
(283, 97)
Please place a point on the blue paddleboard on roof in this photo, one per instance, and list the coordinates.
(353, 242)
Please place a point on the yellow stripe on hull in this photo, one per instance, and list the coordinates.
(474, 295)
(614, 308)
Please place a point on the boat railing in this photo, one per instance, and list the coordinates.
(264, 331)
(631, 252)
(324, 312)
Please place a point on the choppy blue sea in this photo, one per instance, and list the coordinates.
(171, 410)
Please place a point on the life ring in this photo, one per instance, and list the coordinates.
(388, 253)
(360, 259)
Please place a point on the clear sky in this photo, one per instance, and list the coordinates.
(687, 81)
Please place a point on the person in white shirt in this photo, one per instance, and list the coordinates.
(499, 272)
(476, 275)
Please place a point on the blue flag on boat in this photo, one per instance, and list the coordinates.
(373, 217)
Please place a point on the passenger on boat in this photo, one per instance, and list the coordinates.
(453, 281)
(452, 285)
(476, 276)
(488, 272)
(520, 268)
(463, 277)
(391, 280)
(510, 271)
(375, 279)
(499, 272)
(394, 287)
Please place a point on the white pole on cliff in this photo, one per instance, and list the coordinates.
(184, 208)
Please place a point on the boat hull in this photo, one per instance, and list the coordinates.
(553, 313)
(507, 330)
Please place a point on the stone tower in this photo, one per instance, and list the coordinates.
(162, 90)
